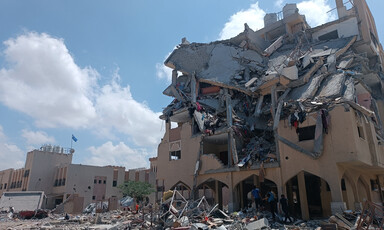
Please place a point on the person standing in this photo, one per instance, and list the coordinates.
(257, 197)
(272, 203)
(284, 207)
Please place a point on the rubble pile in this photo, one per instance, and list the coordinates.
(178, 213)
(234, 87)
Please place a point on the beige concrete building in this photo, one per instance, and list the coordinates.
(50, 169)
(290, 108)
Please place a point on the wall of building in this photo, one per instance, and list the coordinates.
(17, 180)
(81, 181)
(42, 166)
(5, 178)
(185, 166)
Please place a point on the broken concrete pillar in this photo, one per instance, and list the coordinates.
(193, 88)
(341, 9)
(258, 106)
(231, 202)
(174, 77)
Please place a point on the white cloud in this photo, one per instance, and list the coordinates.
(279, 3)
(37, 138)
(43, 81)
(117, 110)
(315, 12)
(163, 72)
(118, 155)
(253, 16)
(10, 155)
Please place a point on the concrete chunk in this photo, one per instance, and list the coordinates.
(272, 48)
(250, 82)
(259, 224)
(345, 64)
(199, 119)
(291, 72)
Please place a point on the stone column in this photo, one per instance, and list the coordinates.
(337, 204)
(303, 196)
(231, 194)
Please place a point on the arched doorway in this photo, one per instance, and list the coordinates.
(243, 189)
(183, 189)
(309, 196)
(348, 192)
(362, 190)
(215, 192)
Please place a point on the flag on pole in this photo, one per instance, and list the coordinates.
(74, 138)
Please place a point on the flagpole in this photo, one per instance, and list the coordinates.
(71, 142)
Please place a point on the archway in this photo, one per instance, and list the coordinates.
(309, 196)
(362, 190)
(348, 192)
(184, 189)
(243, 190)
(215, 192)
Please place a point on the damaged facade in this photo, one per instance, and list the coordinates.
(294, 109)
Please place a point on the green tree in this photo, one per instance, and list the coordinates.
(136, 189)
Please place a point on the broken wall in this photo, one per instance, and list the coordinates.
(344, 28)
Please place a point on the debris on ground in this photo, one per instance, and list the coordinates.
(179, 213)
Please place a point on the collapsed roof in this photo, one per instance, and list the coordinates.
(245, 85)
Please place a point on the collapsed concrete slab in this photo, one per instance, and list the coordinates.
(22, 201)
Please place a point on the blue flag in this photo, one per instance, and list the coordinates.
(74, 138)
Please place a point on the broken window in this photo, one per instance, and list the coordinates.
(99, 181)
(174, 155)
(160, 188)
(5, 186)
(374, 185)
(93, 197)
(223, 156)
(95, 181)
(306, 133)
(114, 183)
(360, 130)
(329, 36)
(104, 182)
(63, 182)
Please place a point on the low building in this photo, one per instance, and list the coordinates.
(50, 169)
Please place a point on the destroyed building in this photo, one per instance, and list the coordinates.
(291, 108)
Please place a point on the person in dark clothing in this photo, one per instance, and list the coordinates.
(284, 207)
(257, 196)
(271, 202)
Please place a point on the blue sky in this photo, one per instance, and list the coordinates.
(95, 69)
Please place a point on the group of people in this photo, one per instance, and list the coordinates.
(271, 200)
